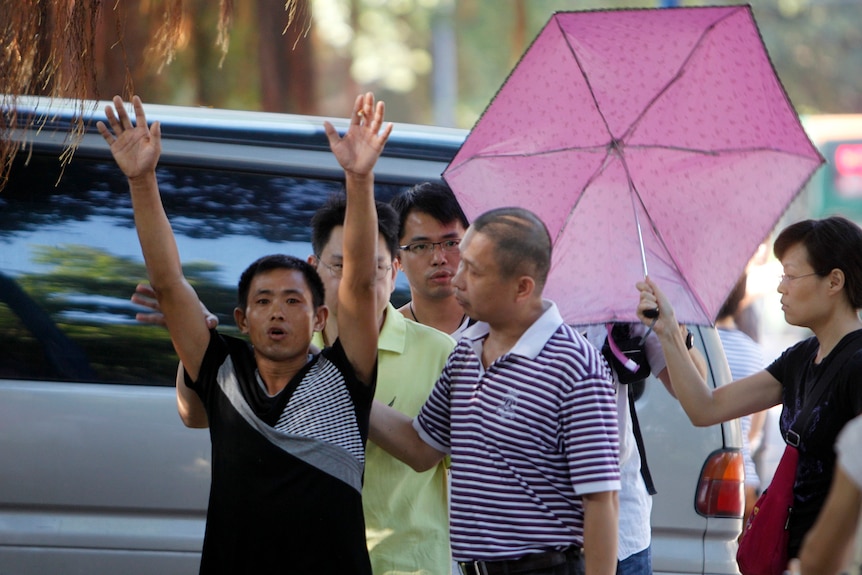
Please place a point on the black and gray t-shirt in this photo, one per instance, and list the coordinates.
(287, 469)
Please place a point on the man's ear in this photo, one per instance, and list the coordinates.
(524, 287)
(241, 320)
(321, 314)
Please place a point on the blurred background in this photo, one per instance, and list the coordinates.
(433, 61)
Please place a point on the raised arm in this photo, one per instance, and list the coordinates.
(136, 150)
(357, 152)
(703, 405)
(699, 363)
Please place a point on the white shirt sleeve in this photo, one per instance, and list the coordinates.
(849, 448)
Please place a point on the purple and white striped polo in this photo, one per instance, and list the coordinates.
(527, 437)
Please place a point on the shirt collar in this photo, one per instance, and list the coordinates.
(532, 341)
(393, 334)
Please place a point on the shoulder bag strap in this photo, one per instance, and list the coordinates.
(819, 388)
(639, 440)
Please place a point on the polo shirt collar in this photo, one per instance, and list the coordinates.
(532, 341)
(393, 334)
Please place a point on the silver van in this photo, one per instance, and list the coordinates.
(97, 474)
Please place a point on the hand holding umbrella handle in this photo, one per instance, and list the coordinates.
(652, 314)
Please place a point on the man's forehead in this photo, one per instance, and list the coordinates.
(334, 248)
(476, 245)
(280, 280)
(422, 225)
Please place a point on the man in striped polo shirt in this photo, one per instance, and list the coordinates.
(527, 410)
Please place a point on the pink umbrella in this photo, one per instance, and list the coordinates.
(653, 140)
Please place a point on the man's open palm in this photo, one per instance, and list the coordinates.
(357, 151)
(136, 149)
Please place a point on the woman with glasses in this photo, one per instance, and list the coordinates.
(821, 289)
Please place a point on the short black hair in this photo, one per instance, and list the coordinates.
(281, 261)
(432, 198)
(832, 243)
(523, 243)
(331, 215)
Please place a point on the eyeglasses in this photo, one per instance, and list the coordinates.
(420, 248)
(786, 277)
(337, 270)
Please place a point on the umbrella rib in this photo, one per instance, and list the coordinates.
(636, 197)
(602, 149)
(585, 77)
(713, 152)
(587, 184)
(676, 76)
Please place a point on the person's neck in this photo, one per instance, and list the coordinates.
(504, 333)
(725, 323)
(277, 374)
(831, 332)
(445, 314)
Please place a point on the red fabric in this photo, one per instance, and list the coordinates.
(763, 546)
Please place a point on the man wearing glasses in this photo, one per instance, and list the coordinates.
(431, 225)
(406, 513)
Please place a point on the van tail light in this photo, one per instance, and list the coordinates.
(720, 491)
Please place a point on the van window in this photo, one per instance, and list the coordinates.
(70, 259)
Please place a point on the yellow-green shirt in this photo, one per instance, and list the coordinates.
(406, 513)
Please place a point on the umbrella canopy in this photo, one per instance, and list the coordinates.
(654, 140)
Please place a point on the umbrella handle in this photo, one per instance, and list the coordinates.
(650, 326)
(653, 315)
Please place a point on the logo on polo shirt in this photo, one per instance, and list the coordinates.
(508, 407)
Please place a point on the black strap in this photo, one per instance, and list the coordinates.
(842, 351)
(636, 428)
(633, 348)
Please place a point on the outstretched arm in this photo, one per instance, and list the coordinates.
(393, 432)
(703, 405)
(357, 152)
(699, 363)
(136, 150)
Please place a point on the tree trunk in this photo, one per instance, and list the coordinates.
(285, 59)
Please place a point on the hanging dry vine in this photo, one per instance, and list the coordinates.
(47, 48)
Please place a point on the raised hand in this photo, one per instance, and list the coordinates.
(136, 149)
(357, 151)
